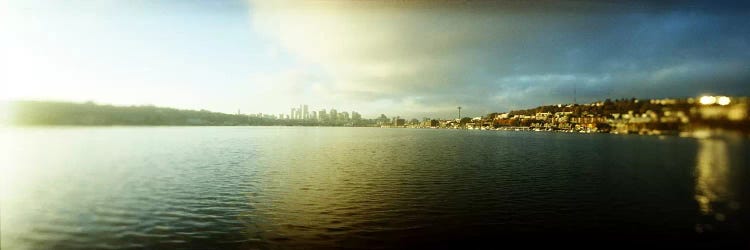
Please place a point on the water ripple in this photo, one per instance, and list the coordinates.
(258, 188)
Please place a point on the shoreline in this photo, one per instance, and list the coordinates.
(697, 133)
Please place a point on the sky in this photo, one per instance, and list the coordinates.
(407, 58)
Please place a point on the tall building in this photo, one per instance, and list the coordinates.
(322, 115)
(305, 114)
(292, 113)
(313, 115)
(334, 115)
(344, 116)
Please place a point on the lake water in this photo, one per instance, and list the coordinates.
(310, 187)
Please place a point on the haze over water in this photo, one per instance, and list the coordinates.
(314, 187)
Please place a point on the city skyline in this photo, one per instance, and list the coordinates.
(332, 114)
(704, 99)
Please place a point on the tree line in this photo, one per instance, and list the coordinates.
(91, 114)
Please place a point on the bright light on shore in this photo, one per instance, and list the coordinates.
(708, 100)
(723, 100)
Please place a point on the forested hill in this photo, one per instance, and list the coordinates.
(608, 107)
(90, 114)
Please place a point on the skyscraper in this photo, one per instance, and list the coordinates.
(305, 114)
(322, 116)
(334, 115)
(345, 116)
(291, 114)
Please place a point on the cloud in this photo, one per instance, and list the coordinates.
(427, 58)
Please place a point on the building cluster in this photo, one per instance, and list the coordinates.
(395, 121)
(332, 115)
(621, 116)
(303, 115)
(626, 116)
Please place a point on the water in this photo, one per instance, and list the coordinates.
(297, 187)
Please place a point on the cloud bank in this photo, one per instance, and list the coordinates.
(425, 58)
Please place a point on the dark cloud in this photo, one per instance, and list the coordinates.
(495, 56)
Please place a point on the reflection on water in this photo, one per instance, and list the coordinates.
(718, 175)
(712, 174)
